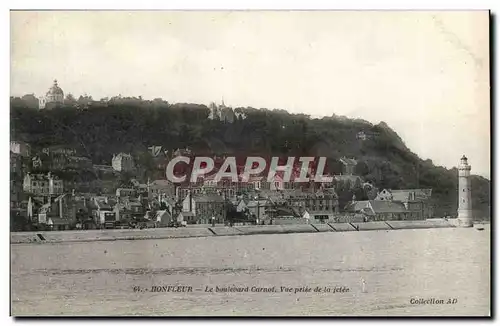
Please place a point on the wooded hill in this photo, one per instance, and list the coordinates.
(100, 129)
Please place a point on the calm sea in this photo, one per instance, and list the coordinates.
(381, 272)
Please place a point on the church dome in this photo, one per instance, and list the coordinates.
(55, 90)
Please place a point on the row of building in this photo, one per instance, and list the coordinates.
(155, 203)
(49, 199)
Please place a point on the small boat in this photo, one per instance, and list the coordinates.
(480, 228)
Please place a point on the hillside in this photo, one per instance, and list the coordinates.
(105, 128)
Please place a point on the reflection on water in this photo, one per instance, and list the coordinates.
(382, 270)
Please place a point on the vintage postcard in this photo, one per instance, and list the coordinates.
(250, 163)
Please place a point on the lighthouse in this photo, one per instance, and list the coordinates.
(464, 194)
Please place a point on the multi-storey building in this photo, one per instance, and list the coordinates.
(123, 162)
(42, 185)
(221, 113)
(417, 202)
(161, 187)
(205, 207)
(20, 148)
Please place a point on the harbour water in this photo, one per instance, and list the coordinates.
(440, 272)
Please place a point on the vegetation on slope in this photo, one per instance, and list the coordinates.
(100, 129)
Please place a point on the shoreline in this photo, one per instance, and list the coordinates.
(45, 237)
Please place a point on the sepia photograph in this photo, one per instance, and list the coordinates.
(250, 163)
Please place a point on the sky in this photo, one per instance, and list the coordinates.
(426, 74)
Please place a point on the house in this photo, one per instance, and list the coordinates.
(61, 161)
(239, 114)
(61, 158)
(168, 203)
(103, 210)
(43, 212)
(63, 207)
(205, 207)
(240, 205)
(125, 192)
(55, 161)
(385, 194)
(262, 183)
(123, 162)
(404, 195)
(255, 182)
(379, 210)
(187, 217)
(209, 181)
(182, 152)
(20, 148)
(43, 185)
(258, 208)
(58, 224)
(273, 197)
(351, 180)
(181, 192)
(79, 163)
(416, 201)
(283, 212)
(16, 192)
(323, 216)
(277, 182)
(66, 206)
(361, 135)
(59, 149)
(321, 200)
(16, 164)
(349, 165)
(141, 188)
(121, 212)
(158, 187)
(324, 199)
(135, 209)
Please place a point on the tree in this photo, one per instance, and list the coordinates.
(126, 124)
(70, 99)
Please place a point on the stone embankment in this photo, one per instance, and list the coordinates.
(192, 232)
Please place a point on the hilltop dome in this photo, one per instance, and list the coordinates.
(55, 90)
(54, 97)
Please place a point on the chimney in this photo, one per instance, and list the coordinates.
(61, 207)
(190, 201)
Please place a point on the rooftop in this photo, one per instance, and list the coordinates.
(384, 206)
(208, 198)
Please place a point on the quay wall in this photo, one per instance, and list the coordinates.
(372, 226)
(428, 224)
(322, 227)
(108, 235)
(190, 232)
(342, 227)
